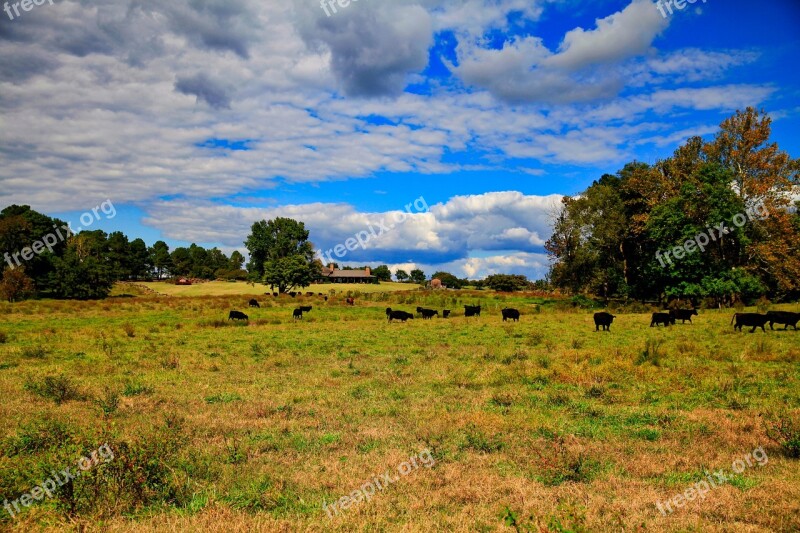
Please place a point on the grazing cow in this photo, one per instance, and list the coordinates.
(683, 315)
(402, 316)
(254, 303)
(510, 314)
(309, 294)
(787, 318)
(306, 309)
(756, 320)
(472, 310)
(293, 294)
(603, 320)
(428, 314)
(276, 294)
(350, 301)
(388, 311)
(237, 315)
(662, 318)
(297, 314)
(326, 298)
(446, 313)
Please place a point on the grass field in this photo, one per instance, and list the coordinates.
(542, 425)
(224, 288)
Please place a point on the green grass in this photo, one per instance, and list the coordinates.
(225, 288)
(536, 425)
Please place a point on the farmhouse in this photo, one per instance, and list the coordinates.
(330, 274)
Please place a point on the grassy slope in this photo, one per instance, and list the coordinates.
(223, 288)
(546, 418)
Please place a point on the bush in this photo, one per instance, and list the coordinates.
(109, 402)
(59, 388)
(38, 435)
(133, 388)
(34, 352)
(652, 352)
(784, 430)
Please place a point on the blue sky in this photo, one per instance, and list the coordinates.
(197, 118)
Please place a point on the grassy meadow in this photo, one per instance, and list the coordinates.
(225, 288)
(542, 425)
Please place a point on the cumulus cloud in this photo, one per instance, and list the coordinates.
(373, 47)
(440, 233)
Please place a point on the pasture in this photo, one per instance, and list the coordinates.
(224, 288)
(541, 425)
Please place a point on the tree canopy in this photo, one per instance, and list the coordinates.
(611, 240)
(281, 255)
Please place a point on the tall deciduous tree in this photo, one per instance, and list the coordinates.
(417, 276)
(382, 273)
(281, 255)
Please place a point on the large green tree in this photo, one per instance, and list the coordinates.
(382, 273)
(281, 255)
(613, 239)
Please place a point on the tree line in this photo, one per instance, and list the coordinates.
(87, 264)
(642, 232)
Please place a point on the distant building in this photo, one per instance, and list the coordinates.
(334, 275)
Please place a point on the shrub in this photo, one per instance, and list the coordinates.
(477, 441)
(784, 430)
(652, 352)
(38, 435)
(59, 388)
(133, 388)
(34, 352)
(129, 331)
(109, 402)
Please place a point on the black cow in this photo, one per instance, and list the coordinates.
(472, 310)
(402, 316)
(787, 318)
(326, 298)
(603, 320)
(254, 303)
(297, 314)
(306, 309)
(237, 315)
(428, 314)
(662, 318)
(756, 320)
(388, 311)
(276, 294)
(683, 315)
(293, 294)
(510, 314)
(446, 313)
